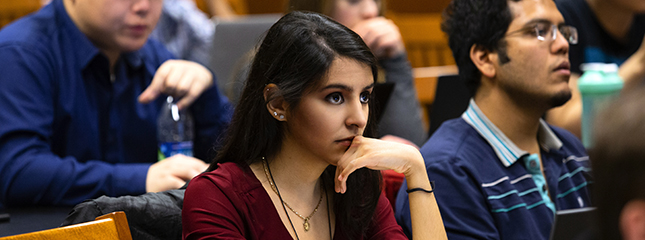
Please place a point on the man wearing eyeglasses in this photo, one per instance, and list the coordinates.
(500, 171)
(612, 31)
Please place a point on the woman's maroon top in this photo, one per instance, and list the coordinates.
(230, 203)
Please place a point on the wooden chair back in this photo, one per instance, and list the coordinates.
(111, 226)
(240, 7)
(416, 6)
(245, 7)
(426, 44)
(11, 10)
(428, 52)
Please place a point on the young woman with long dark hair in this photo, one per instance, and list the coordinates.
(295, 163)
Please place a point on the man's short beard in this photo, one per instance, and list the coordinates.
(525, 98)
(560, 99)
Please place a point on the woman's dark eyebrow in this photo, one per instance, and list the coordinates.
(368, 87)
(339, 86)
(345, 87)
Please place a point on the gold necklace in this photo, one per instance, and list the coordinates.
(306, 225)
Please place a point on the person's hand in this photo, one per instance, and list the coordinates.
(633, 69)
(378, 155)
(184, 80)
(402, 158)
(382, 36)
(173, 172)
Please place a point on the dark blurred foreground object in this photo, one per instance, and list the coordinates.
(617, 158)
(150, 216)
(4, 217)
(451, 100)
(19, 220)
(574, 224)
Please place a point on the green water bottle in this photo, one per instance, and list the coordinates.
(599, 85)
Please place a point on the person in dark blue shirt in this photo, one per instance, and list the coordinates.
(81, 92)
(611, 31)
(501, 172)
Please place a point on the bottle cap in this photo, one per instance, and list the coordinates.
(610, 68)
(600, 78)
(592, 67)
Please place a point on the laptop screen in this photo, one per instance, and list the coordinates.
(573, 224)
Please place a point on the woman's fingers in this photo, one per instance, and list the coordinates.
(376, 155)
(350, 154)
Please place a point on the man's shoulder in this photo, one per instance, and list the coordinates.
(32, 29)
(456, 140)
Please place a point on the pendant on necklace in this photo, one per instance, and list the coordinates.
(306, 225)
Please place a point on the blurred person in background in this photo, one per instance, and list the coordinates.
(611, 31)
(81, 92)
(187, 32)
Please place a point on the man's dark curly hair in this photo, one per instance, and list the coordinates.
(476, 22)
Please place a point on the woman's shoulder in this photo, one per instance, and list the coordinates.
(227, 176)
(223, 203)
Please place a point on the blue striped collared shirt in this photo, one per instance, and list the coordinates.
(484, 192)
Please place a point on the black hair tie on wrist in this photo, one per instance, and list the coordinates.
(421, 189)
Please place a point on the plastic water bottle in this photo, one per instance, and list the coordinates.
(598, 85)
(174, 130)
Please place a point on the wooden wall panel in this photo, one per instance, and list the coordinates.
(416, 6)
(266, 6)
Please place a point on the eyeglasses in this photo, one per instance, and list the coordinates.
(547, 31)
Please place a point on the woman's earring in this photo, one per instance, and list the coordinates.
(281, 116)
(275, 113)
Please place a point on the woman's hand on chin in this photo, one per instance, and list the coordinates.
(378, 155)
